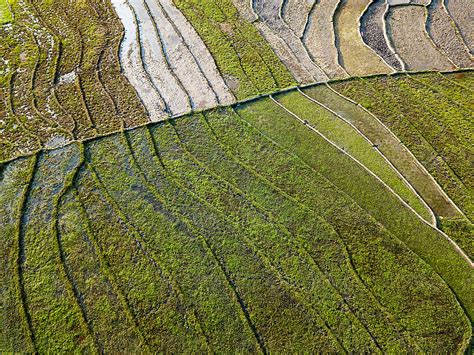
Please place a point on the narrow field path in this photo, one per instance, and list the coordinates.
(417, 203)
(342, 150)
(334, 238)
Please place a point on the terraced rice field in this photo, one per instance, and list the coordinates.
(167, 184)
(408, 35)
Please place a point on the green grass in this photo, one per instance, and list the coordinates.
(244, 58)
(390, 146)
(346, 137)
(432, 127)
(236, 228)
(362, 188)
(13, 185)
(6, 15)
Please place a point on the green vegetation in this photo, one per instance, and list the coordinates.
(244, 58)
(14, 180)
(300, 222)
(432, 128)
(217, 231)
(463, 79)
(390, 146)
(5, 13)
(363, 189)
(434, 122)
(347, 138)
(60, 76)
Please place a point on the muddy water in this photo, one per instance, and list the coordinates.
(131, 63)
(199, 51)
(166, 61)
(155, 62)
(181, 61)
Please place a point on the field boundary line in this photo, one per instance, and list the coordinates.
(421, 166)
(228, 151)
(204, 240)
(189, 49)
(61, 257)
(456, 27)
(404, 179)
(315, 313)
(237, 28)
(241, 102)
(140, 239)
(409, 120)
(435, 90)
(304, 36)
(163, 105)
(458, 249)
(20, 234)
(303, 162)
(103, 262)
(300, 245)
(428, 36)
(305, 47)
(387, 37)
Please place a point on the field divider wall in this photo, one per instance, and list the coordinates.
(407, 183)
(458, 249)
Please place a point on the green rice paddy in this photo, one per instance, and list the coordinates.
(330, 218)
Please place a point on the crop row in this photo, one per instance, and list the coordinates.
(340, 132)
(387, 144)
(430, 116)
(232, 229)
(244, 59)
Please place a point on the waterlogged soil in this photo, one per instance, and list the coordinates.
(166, 61)
(131, 62)
(269, 14)
(199, 51)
